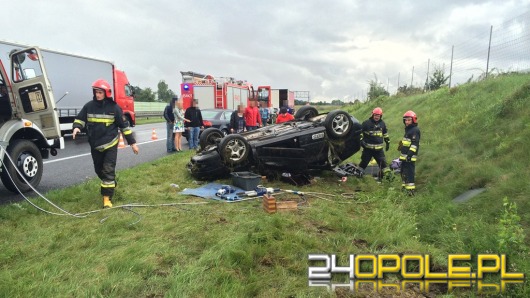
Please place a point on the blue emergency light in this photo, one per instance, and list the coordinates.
(186, 87)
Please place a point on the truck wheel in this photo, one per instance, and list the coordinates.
(234, 149)
(305, 113)
(338, 124)
(210, 136)
(28, 161)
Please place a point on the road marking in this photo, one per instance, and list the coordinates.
(85, 154)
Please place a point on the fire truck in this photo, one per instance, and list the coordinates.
(214, 93)
(228, 93)
(275, 98)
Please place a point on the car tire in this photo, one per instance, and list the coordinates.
(28, 160)
(305, 113)
(210, 136)
(338, 124)
(234, 149)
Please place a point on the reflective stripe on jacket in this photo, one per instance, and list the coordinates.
(102, 119)
(410, 143)
(374, 132)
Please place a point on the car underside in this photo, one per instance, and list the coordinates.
(310, 142)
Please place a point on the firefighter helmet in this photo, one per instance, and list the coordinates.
(377, 111)
(102, 85)
(412, 115)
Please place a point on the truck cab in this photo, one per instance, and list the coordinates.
(29, 124)
(124, 96)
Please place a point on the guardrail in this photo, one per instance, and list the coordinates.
(147, 114)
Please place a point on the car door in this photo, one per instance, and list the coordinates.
(33, 93)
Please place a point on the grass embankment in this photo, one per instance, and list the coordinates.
(472, 136)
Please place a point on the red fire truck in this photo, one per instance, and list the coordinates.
(228, 93)
(275, 98)
(214, 93)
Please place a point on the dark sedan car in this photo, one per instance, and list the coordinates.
(311, 141)
(217, 118)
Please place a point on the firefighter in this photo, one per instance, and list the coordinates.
(102, 118)
(409, 147)
(374, 133)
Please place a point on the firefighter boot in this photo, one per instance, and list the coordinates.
(107, 203)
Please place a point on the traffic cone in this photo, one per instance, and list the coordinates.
(121, 144)
(153, 135)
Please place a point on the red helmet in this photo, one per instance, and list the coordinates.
(102, 85)
(377, 111)
(410, 114)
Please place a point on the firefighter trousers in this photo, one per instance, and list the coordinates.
(379, 156)
(105, 167)
(407, 175)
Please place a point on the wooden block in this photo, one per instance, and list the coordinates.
(286, 205)
(269, 203)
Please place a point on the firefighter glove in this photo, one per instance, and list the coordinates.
(409, 158)
(387, 145)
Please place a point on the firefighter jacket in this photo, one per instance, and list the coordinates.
(410, 144)
(102, 119)
(374, 133)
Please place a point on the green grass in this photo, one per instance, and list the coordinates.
(140, 121)
(473, 136)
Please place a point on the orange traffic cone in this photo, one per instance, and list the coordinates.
(153, 135)
(121, 144)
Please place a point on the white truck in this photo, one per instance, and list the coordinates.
(71, 77)
(29, 122)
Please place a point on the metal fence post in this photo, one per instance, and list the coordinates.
(489, 49)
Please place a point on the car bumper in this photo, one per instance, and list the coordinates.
(207, 165)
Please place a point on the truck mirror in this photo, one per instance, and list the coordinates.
(19, 59)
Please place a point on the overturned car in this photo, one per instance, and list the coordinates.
(312, 141)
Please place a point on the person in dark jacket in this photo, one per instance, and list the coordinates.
(237, 120)
(374, 132)
(195, 124)
(170, 125)
(409, 148)
(102, 118)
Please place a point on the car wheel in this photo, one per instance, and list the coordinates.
(234, 149)
(305, 113)
(28, 160)
(210, 136)
(338, 124)
(224, 131)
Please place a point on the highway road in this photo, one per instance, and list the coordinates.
(73, 165)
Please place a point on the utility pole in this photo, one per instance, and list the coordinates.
(489, 49)
(451, 68)
(412, 78)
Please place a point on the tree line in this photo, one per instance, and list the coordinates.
(163, 93)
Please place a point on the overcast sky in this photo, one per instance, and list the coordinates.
(330, 48)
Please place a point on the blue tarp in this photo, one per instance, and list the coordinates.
(208, 191)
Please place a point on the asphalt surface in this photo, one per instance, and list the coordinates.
(73, 165)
